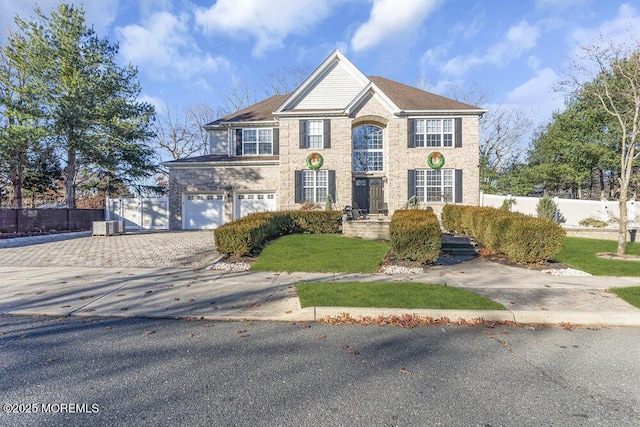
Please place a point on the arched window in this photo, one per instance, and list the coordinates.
(367, 149)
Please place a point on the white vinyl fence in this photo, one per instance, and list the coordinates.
(151, 213)
(571, 211)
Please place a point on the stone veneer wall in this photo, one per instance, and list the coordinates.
(243, 178)
(398, 157)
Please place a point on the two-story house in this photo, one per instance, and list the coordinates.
(340, 135)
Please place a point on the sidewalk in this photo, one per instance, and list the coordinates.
(530, 296)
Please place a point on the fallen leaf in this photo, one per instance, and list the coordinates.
(148, 292)
(241, 331)
(176, 299)
(321, 337)
(108, 328)
(149, 332)
(190, 334)
(52, 359)
(405, 372)
(65, 306)
(23, 336)
(124, 309)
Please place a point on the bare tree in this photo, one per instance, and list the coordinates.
(181, 135)
(200, 115)
(285, 80)
(502, 129)
(610, 73)
(501, 132)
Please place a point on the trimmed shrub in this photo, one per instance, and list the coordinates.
(317, 222)
(248, 235)
(524, 239)
(415, 235)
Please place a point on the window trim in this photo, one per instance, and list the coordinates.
(425, 133)
(366, 151)
(315, 187)
(308, 134)
(257, 141)
(443, 197)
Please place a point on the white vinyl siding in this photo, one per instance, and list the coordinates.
(335, 90)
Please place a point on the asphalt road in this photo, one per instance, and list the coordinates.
(167, 372)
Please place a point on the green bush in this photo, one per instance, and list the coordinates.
(248, 235)
(317, 222)
(415, 235)
(592, 222)
(522, 238)
(546, 208)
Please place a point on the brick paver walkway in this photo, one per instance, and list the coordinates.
(185, 249)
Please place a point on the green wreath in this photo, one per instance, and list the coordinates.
(314, 161)
(435, 160)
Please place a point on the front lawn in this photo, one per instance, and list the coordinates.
(391, 295)
(321, 253)
(581, 254)
(630, 295)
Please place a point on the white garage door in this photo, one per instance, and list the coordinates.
(203, 211)
(249, 203)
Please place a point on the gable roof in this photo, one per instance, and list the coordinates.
(409, 98)
(337, 73)
(262, 111)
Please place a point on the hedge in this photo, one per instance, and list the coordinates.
(524, 239)
(248, 235)
(415, 235)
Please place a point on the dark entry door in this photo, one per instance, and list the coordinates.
(368, 193)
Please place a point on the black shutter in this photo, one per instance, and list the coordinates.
(299, 184)
(458, 134)
(238, 142)
(332, 185)
(327, 133)
(458, 190)
(411, 184)
(303, 133)
(411, 129)
(276, 142)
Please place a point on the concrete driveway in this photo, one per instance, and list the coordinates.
(147, 249)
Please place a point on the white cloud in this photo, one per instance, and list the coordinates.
(269, 22)
(158, 103)
(537, 95)
(163, 45)
(390, 19)
(520, 39)
(624, 28)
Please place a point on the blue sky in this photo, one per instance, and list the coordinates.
(189, 52)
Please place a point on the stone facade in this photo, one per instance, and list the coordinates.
(225, 180)
(340, 93)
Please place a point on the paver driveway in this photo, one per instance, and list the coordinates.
(177, 249)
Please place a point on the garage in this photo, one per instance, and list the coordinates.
(203, 211)
(254, 202)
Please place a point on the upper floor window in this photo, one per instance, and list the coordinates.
(315, 134)
(368, 153)
(315, 138)
(257, 142)
(433, 133)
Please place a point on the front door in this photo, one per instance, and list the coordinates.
(368, 193)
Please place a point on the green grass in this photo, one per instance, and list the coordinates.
(630, 295)
(391, 295)
(581, 254)
(321, 253)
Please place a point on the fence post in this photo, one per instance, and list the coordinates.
(604, 213)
